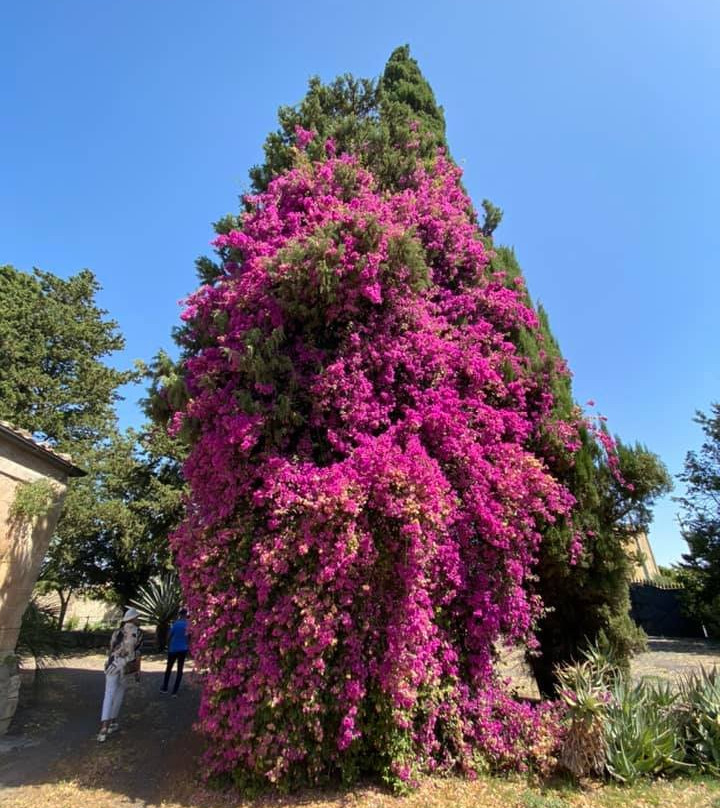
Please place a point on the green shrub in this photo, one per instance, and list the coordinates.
(583, 689)
(700, 697)
(617, 727)
(643, 733)
(33, 500)
(158, 604)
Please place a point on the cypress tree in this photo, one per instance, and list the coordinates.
(585, 593)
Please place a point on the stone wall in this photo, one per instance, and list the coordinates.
(82, 612)
(23, 544)
(644, 568)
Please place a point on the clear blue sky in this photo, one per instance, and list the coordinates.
(127, 127)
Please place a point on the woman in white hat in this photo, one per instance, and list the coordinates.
(124, 660)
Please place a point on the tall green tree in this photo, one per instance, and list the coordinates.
(371, 119)
(588, 599)
(376, 121)
(700, 522)
(112, 538)
(55, 382)
(54, 340)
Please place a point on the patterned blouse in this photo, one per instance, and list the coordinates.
(125, 645)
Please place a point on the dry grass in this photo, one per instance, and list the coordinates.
(434, 793)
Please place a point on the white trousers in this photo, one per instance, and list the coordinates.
(114, 695)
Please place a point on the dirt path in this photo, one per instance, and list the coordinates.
(671, 659)
(55, 734)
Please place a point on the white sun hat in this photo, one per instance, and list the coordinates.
(130, 614)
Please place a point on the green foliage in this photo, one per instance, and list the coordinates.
(113, 535)
(700, 694)
(584, 689)
(643, 737)
(345, 109)
(53, 338)
(158, 603)
(493, 217)
(54, 382)
(387, 124)
(629, 730)
(39, 634)
(374, 120)
(33, 500)
(669, 577)
(634, 730)
(699, 571)
(590, 599)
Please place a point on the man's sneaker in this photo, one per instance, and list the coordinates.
(163, 691)
(174, 695)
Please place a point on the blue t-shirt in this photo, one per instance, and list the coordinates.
(178, 637)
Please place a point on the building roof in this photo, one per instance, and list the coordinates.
(23, 438)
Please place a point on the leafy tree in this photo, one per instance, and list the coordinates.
(54, 381)
(364, 509)
(699, 570)
(586, 594)
(376, 121)
(53, 340)
(588, 600)
(112, 538)
(493, 217)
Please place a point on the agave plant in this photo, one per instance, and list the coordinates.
(627, 730)
(643, 731)
(700, 695)
(158, 604)
(584, 690)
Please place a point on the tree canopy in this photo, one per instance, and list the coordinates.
(390, 126)
(54, 339)
(388, 473)
(55, 381)
(700, 524)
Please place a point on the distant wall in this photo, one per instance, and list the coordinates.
(84, 612)
(657, 610)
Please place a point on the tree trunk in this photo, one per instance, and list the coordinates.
(64, 601)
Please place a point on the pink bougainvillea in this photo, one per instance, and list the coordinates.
(365, 511)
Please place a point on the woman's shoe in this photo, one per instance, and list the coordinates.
(114, 727)
(102, 736)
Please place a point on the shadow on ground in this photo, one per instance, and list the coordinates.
(53, 738)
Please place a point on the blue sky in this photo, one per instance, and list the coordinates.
(128, 127)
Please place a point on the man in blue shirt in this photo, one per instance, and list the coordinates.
(178, 646)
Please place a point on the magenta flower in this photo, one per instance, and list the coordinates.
(365, 504)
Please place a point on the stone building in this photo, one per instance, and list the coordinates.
(644, 566)
(33, 482)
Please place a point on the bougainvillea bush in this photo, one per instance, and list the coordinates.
(365, 512)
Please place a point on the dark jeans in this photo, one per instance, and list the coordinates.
(174, 656)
